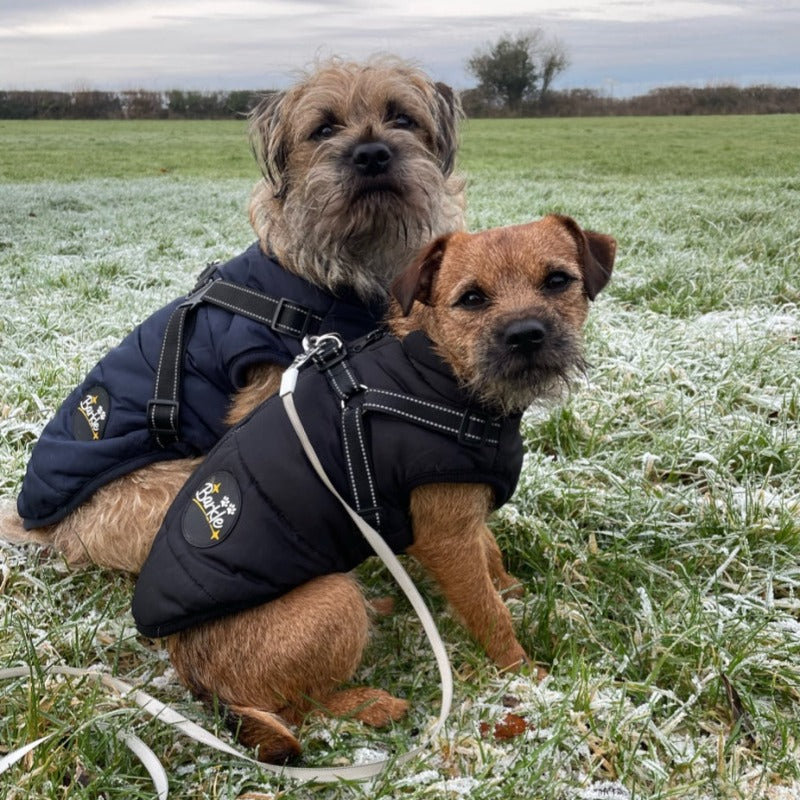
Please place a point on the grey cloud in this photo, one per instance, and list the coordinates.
(230, 52)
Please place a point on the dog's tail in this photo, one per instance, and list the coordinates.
(12, 530)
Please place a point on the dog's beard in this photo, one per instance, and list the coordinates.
(346, 231)
(512, 383)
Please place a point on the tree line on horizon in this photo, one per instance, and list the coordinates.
(514, 74)
(178, 104)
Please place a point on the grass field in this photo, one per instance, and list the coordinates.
(656, 526)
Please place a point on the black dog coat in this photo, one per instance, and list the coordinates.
(255, 520)
(100, 432)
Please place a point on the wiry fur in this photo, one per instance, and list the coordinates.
(324, 653)
(273, 663)
(505, 380)
(323, 220)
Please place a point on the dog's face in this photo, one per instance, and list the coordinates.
(506, 307)
(358, 171)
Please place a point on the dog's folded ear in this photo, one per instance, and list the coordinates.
(268, 136)
(449, 115)
(597, 251)
(416, 281)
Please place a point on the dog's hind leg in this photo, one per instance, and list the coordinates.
(264, 732)
(286, 658)
(506, 584)
(116, 526)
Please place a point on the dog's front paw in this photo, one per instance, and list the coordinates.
(512, 659)
(512, 588)
(520, 661)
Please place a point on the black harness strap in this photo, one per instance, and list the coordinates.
(329, 358)
(469, 426)
(282, 315)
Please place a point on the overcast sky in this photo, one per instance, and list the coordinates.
(620, 47)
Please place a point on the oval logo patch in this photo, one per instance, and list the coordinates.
(212, 511)
(90, 418)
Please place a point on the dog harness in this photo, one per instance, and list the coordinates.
(163, 392)
(254, 520)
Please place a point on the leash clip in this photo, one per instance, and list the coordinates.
(325, 350)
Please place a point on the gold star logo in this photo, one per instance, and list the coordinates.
(215, 535)
(216, 488)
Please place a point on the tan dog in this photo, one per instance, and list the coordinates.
(505, 309)
(358, 175)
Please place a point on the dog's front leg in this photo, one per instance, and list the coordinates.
(450, 541)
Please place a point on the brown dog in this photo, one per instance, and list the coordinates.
(358, 175)
(505, 309)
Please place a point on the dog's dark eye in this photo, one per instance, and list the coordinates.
(472, 300)
(403, 121)
(325, 131)
(558, 281)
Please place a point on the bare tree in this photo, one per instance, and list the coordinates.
(517, 69)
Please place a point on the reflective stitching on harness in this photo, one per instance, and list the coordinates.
(158, 380)
(346, 367)
(437, 407)
(239, 310)
(260, 317)
(336, 384)
(417, 400)
(373, 496)
(176, 377)
(182, 310)
(423, 421)
(350, 470)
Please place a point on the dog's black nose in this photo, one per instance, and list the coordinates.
(525, 336)
(372, 158)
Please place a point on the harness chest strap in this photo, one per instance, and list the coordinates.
(282, 315)
(472, 428)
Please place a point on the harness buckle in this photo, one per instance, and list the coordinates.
(195, 297)
(162, 418)
(206, 274)
(474, 429)
(326, 351)
(294, 314)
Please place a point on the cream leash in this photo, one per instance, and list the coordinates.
(165, 714)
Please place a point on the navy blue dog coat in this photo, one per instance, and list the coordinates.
(247, 311)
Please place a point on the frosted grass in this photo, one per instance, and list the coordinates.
(655, 526)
